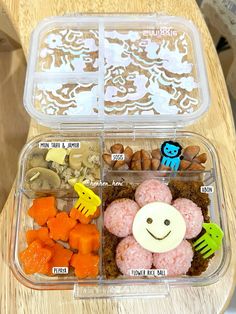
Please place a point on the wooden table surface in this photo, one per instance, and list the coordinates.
(217, 125)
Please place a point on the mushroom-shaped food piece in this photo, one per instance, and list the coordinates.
(75, 158)
(39, 178)
(37, 158)
(87, 155)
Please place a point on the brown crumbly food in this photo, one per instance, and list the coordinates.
(198, 265)
(191, 190)
(111, 193)
(109, 255)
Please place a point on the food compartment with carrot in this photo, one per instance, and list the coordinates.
(57, 241)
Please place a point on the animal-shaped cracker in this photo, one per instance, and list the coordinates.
(88, 201)
(210, 241)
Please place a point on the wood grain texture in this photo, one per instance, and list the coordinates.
(217, 125)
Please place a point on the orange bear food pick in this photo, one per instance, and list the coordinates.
(35, 259)
(86, 265)
(60, 257)
(76, 214)
(41, 234)
(60, 226)
(84, 238)
(42, 209)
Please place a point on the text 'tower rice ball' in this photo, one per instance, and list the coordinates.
(176, 262)
(152, 191)
(119, 217)
(130, 255)
(192, 215)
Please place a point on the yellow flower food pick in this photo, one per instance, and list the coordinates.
(210, 241)
(88, 201)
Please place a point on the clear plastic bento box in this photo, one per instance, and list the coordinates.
(114, 89)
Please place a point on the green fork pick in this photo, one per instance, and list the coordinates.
(210, 241)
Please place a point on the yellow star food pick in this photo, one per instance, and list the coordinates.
(88, 201)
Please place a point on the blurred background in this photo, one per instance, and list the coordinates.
(220, 16)
(14, 121)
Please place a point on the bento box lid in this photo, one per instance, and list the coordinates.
(115, 70)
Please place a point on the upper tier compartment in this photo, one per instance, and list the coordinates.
(123, 70)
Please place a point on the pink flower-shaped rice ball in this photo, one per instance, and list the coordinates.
(119, 216)
(130, 255)
(152, 191)
(176, 262)
(192, 215)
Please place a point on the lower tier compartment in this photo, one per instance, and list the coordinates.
(147, 227)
